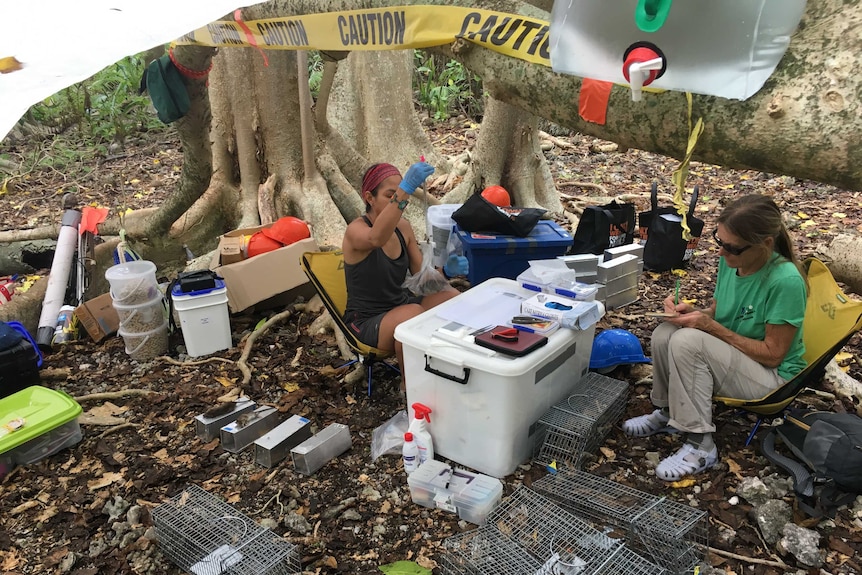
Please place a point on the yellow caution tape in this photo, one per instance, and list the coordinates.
(681, 173)
(393, 28)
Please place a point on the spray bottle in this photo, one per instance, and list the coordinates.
(420, 432)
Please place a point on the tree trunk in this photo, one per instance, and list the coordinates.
(508, 154)
(842, 253)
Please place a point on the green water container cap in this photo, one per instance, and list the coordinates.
(650, 15)
(42, 410)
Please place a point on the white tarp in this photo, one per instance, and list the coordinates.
(725, 48)
(60, 42)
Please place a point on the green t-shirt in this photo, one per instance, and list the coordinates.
(774, 294)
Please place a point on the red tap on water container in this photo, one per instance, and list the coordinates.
(642, 64)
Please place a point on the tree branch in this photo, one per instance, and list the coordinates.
(113, 395)
(778, 564)
(242, 362)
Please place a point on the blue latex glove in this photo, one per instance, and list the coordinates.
(415, 176)
(456, 266)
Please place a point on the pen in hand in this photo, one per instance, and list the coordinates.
(676, 294)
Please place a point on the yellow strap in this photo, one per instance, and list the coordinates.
(681, 173)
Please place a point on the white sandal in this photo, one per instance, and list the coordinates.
(648, 424)
(689, 460)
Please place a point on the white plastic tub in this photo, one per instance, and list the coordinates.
(132, 282)
(204, 319)
(472, 495)
(145, 345)
(145, 316)
(484, 407)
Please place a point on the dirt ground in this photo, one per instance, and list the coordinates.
(87, 509)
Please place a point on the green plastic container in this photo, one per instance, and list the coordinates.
(42, 409)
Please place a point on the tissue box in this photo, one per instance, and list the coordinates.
(589, 312)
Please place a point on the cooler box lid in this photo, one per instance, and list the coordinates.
(495, 301)
(42, 410)
(546, 233)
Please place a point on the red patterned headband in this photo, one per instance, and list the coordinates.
(376, 174)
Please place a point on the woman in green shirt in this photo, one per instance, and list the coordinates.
(745, 344)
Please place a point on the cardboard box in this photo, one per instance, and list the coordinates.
(230, 250)
(267, 280)
(98, 317)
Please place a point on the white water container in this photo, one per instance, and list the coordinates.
(727, 48)
(438, 226)
(204, 319)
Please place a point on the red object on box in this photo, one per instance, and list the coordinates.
(260, 243)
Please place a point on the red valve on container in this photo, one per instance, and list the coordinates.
(642, 64)
(640, 55)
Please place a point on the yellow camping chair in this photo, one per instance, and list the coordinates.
(325, 270)
(831, 319)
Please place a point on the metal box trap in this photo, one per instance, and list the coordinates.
(580, 423)
(203, 535)
(673, 535)
(530, 534)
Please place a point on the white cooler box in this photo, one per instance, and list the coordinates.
(485, 407)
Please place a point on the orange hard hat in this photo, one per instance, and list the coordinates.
(259, 243)
(497, 195)
(287, 230)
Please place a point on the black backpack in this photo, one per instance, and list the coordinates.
(830, 447)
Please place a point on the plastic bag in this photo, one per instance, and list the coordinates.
(387, 439)
(427, 280)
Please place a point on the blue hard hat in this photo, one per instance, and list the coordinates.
(613, 347)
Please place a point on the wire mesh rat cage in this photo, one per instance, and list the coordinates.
(203, 535)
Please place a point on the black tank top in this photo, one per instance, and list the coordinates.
(374, 284)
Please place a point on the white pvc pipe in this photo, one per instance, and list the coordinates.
(58, 280)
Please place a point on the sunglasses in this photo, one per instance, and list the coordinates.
(729, 248)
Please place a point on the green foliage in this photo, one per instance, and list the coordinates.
(315, 72)
(106, 107)
(444, 88)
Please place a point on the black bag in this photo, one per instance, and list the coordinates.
(830, 446)
(479, 215)
(166, 88)
(9, 336)
(661, 231)
(603, 227)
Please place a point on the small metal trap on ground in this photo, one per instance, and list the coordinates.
(580, 423)
(673, 535)
(485, 550)
(203, 535)
(530, 534)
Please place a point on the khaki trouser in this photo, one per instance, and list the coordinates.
(690, 367)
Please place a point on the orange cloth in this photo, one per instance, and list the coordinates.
(593, 101)
(91, 218)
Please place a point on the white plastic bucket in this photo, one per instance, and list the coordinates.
(132, 282)
(147, 344)
(438, 226)
(204, 319)
(146, 316)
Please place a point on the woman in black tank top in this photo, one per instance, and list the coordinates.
(379, 248)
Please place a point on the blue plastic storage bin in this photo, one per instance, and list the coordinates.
(507, 256)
